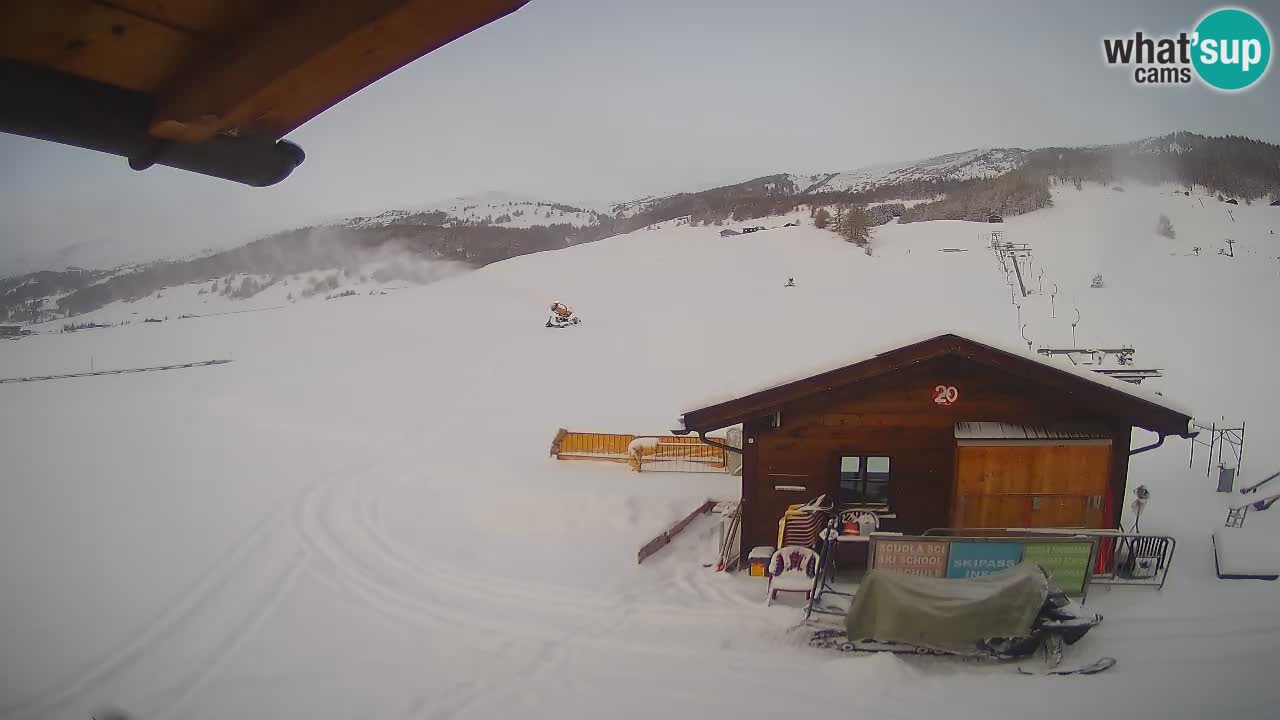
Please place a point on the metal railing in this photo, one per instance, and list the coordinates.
(1130, 559)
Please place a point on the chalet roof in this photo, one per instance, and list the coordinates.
(1112, 397)
(991, 430)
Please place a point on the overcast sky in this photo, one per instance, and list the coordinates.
(589, 101)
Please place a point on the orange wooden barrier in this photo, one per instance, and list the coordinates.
(671, 453)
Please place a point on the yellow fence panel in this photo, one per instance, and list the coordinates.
(672, 454)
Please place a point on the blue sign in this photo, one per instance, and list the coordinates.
(971, 559)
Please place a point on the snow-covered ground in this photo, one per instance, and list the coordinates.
(358, 518)
(228, 295)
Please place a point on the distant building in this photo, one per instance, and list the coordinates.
(729, 232)
(995, 219)
(1233, 201)
(10, 330)
(757, 228)
(1275, 203)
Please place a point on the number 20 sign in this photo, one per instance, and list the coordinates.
(945, 395)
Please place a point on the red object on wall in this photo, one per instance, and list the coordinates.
(945, 395)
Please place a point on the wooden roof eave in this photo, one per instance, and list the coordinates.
(282, 72)
(209, 86)
(1111, 402)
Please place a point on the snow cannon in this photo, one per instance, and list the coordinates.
(561, 316)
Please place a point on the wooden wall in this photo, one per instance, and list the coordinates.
(895, 416)
(1031, 485)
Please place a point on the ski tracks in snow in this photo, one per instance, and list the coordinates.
(235, 595)
(334, 529)
(183, 647)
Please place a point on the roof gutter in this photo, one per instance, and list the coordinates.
(47, 105)
(683, 431)
(1160, 441)
(722, 446)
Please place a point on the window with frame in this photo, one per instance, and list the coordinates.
(864, 480)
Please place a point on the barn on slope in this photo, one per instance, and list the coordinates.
(947, 432)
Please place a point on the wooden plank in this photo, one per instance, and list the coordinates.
(197, 17)
(95, 41)
(281, 72)
(556, 441)
(665, 536)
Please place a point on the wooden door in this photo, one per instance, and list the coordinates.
(990, 511)
(1030, 485)
(1057, 511)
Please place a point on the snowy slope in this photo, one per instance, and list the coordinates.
(503, 209)
(357, 517)
(967, 165)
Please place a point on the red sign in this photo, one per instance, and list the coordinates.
(945, 395)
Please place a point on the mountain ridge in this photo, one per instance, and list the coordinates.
(475, 231)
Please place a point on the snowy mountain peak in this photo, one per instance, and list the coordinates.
(966, 165)
(490, 208)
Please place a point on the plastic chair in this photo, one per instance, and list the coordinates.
(800, 524)
(792, 569)
(867, 522)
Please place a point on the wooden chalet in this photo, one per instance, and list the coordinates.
(948, 432)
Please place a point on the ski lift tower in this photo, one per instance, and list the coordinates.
(1228, 441)
(1010, 251)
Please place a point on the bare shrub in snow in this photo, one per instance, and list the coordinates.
(1165, 227)
(821, 218)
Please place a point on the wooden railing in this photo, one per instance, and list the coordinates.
(667, 453)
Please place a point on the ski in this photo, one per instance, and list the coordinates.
(1102, 664)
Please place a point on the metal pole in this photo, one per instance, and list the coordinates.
(1240, 463)
(1213, 434)
(1192, 460)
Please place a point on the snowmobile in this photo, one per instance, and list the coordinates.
(561, 316)
(1002, 616)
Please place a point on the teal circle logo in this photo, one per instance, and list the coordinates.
(1232, 49)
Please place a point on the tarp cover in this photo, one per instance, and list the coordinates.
(948, 614)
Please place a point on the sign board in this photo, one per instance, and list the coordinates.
(971, 559)
(945, 395)
(1067, 562)
(1226, 479)
(1067, 559)
(915, 556)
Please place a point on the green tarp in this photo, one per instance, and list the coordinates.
(948, 614)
